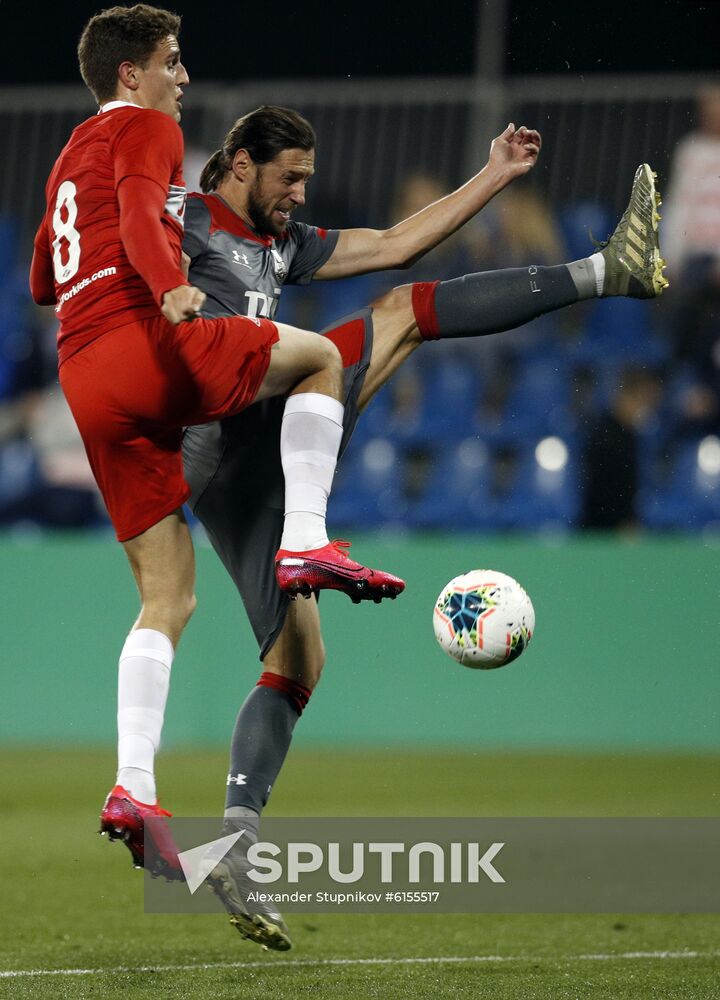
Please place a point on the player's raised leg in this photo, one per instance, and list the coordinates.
(627, 264)
(312, 430)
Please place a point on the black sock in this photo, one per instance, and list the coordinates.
(261, 739)
(491, 301)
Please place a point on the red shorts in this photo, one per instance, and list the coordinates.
(134, 389)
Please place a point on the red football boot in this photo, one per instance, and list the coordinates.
(123, 818)
(330, 568)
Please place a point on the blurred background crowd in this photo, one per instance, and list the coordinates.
(603, 416)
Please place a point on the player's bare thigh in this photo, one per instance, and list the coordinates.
(302, 357)
(395, 337)
(298, 652)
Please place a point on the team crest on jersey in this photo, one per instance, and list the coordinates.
(279, 264)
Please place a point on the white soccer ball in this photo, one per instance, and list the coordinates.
(483, 619)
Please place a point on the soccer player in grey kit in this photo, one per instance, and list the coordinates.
(243, 246)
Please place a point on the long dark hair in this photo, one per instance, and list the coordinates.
(264, 133)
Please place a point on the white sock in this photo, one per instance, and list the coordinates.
(598, 262)
(143, 683)
(310, 438)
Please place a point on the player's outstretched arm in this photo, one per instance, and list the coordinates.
(512, 154)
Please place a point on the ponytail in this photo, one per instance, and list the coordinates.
(264, 133)
(213, 172)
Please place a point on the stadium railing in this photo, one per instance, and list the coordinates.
(372, 133)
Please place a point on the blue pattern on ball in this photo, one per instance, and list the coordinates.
(463, 610)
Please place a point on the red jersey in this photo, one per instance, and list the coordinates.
(96, 287)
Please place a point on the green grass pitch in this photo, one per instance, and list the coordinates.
(70, 901)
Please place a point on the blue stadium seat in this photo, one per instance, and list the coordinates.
(451, 393)
(691, 499)
(368, 487)
(9, 244)
(539, 401)
(444, 409)
(620, 331)
(333, 300)
(582, 222)
(19, 471)
(546, 493)
(458, 495)
(15, 340)
(375, 420)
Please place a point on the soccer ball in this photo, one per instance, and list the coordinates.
(483, 619)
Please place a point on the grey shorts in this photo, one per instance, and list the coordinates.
(233, 469)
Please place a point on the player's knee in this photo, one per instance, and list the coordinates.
(304, 665)
(168, 613)
(393, 312)
(399, 297)
(328, 356)
(183, 609)
(189, 607)
(314, 667)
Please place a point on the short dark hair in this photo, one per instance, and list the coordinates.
(265, 133)
(117, 35)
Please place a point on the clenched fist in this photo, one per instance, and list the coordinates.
(182, 303)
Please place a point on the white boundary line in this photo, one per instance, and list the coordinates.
(315, 962)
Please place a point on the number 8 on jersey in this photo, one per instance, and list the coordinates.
(64, 229)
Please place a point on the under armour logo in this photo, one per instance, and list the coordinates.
(236, 779)
(241, 258)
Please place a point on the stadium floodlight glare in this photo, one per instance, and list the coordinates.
(473, 453)
(379, 454)
(708, 456)
(551, 454)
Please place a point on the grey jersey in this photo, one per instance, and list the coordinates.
(242, 272)
(233, 467)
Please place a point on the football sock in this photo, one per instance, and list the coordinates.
(312, 429)
(588, 275)
(261, 740)
(493, 301)
(143, 683)
(242, 818)
(598, 262)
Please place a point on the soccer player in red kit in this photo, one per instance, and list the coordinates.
(137, 363)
